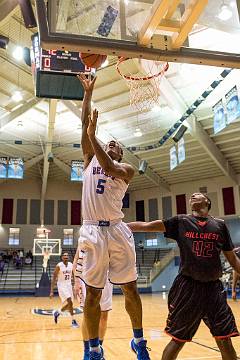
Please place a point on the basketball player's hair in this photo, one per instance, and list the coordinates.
(209, 203)
(64, 252)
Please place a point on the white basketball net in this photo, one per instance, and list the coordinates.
(46, 257)
(144, 86)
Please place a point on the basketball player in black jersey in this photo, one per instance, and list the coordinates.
(197, 293)
(236, 276)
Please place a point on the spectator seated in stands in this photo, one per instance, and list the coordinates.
(141, 245)
(28, 260)
(21, 256)
(18, 262)
(29, 254)
(14, 257)
(2, 264)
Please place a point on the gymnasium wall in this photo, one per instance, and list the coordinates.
(64, 197)
(61, 196)
(168, 202)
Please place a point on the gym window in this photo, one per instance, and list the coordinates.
(68, 237)
(14, 235)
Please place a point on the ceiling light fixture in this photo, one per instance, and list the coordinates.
(225, 12)
(18, 53)
(17, 96)
(137, 132)
(20, 124)
(156, 108)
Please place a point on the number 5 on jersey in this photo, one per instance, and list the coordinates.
(100, 186)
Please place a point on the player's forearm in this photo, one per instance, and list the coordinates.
(235, 280)
(103, 158)
(53, 283)
(86, 108)
(86, 111)
(236, 265)
(153, 226)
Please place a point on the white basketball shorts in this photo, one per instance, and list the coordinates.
(106, 298)
(108, 251)
(65, 291)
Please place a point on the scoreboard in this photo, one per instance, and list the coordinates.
(54, 72)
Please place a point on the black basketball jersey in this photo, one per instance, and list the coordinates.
(200, 241)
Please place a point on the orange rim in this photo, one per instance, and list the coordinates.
(139, 78)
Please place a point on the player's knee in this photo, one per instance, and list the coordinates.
(69, 301)
(226, 345)
(93, 296)
(130, 289)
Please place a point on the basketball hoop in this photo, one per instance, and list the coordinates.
(144, 86)
(46, 248)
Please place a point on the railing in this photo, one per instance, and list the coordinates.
(20, 281)
(6, 276)
(35, 270)
(143, 281)
(158, 268)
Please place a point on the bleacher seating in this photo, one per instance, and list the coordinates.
(145, 263)
(27, 277)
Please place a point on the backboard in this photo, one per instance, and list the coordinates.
(190, 31)
(51, 247)
(46, 248)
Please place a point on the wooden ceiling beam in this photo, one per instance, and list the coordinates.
(189, 18)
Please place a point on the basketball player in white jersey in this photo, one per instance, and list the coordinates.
(107, 243)
(105, 302)
(63, 275)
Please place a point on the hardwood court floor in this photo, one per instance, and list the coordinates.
(24, 336)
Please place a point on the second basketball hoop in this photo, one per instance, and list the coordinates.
(143, 79)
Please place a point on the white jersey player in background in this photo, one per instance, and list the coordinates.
(80, 293)
(63, 275)
(106, 241)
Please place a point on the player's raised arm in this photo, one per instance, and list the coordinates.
(111, 167)
(55, 276)
(88, 86)
(152, 226)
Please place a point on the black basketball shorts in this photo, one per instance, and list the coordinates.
(191, 301)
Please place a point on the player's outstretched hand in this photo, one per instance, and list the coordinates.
(51, 295)
(87, 83)
(92, 123)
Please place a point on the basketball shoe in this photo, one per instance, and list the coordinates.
(86, 355)
(56, 314)
(140, 349)
(75, 324)
(96, 356)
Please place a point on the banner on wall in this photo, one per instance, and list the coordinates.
(3, 167)
(173, 158)
(219, 122)
(15, 168)
(77, 170)
(232, 105)
(181, 151)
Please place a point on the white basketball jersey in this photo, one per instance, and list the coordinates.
(102, 194)
(65, 274)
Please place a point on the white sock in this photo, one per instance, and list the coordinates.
(96, 349)
(137, 340)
